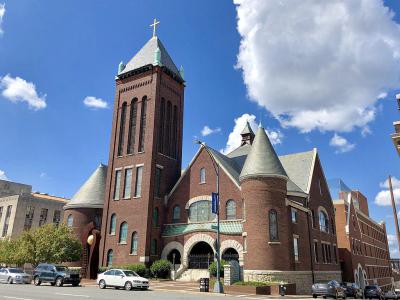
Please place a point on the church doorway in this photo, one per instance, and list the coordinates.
(230, 254)
(174, 257)
(201, 256)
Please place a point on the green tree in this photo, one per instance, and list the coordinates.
(8, 251)
(49, 243)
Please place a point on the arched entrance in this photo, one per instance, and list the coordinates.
(174, 257)
(201, 256)
(230, 254)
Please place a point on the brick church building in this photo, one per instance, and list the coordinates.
(277, 216)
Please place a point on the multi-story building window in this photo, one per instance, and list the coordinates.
(128, 183)
(153, 247)
(43, 216)
(202, 175)
(231, 210)
(157, 187)
(323, 221)
(138, 183)
(294, 215)
(123, 233)
(122, 130)
(113, 224)
(134, 243)
(70, 220)
(117, 184)
(132, 126)
(273, 226)
(109, 258)
(57, 217)
(296, 248)
(143, 117)
(30, 210)
(200, 211)
(6, 221)
(176, 214)
(155, 217)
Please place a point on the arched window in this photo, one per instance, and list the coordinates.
(132, 126)
(273, 225)
(176, 214)
(109, 258)
(155, 217)
(153, 247)
(200, 211)
(70, 221)
(231, 210)
(174, 132)
(122, 129)
(113, 224)
(134, 243)
(161, 127)
(168, 129)
(323, 221)
(202, 175)
(143, 115)
(123, 233)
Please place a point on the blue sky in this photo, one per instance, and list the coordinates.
(70, 51)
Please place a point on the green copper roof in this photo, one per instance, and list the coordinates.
(226, 227)
(262, 160)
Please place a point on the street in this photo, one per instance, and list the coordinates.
(47, 292)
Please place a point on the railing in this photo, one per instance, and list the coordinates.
(200, 261)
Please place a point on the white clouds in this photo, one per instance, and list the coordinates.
(19, 90)
(382, 95)
(3, 175)
(2, 12)
(341, 144)
(207, 130)
(318, 64)
(234, 138)
(393, 245)
(95, 103)
(383, 198)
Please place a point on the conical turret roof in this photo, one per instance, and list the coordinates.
(91, 193)
(262, 160)
(247, 129)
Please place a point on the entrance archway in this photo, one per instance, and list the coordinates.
(174, 257)
(230, 254)
(201, 256)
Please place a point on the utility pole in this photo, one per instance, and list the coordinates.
(396, 222)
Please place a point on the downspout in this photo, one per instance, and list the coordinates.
(311, 243)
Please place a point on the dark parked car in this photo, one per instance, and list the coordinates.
(373, 291)
(352, 290)
(55, 275)
(330, 289)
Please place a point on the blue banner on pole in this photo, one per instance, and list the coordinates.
(215, 203)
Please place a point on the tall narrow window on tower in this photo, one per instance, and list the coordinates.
(117, 184)
(168, 129)
(128, 183)
(122, 130)
(175, 132)
(142, 124)
(157, 188)
(138, 183)
(161, 127)
(132, 126)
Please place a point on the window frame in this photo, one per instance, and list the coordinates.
(134, 243)
(123, 233)
(230, 211)
(202, 173)
(273, 227)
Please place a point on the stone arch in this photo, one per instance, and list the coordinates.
(171, 246)
(235, 245)
(198, 198)
(201, 237)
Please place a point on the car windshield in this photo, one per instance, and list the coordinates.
(61, 269)
(370, 287)
(130, 273)
(15, 271)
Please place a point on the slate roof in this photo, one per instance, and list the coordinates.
(145, 57)
(91, 193)
(226, 227)
(262, 159)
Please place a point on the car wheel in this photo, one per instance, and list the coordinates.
(59, 282)
(102, 284)
(128, 285)
(52, 283)
(36, 281)
(10, 280)
(314, 296)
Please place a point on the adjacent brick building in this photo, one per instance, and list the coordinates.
(277, 216)
(363, 246)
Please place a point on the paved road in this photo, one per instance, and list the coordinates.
(47, 292)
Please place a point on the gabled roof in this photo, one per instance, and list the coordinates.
(91, 193)
(247, 129)
(262, 159)
(146, 56)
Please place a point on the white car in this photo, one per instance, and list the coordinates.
(122, 278)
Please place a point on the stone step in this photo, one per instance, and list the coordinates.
(193, 275)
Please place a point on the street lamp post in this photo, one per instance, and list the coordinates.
(218, 287)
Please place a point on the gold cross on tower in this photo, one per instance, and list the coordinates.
(154, 25)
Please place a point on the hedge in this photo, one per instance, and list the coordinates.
(161, 268)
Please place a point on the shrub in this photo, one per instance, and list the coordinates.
(102, 269)
(161, 268)
(140, 269)
(213, 268)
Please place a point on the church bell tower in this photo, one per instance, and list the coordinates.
(145, 155)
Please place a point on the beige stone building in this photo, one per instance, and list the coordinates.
(20, 209)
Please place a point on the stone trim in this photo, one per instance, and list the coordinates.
(235, 245)
(198, 198)
(201, 237)
(171, 246)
